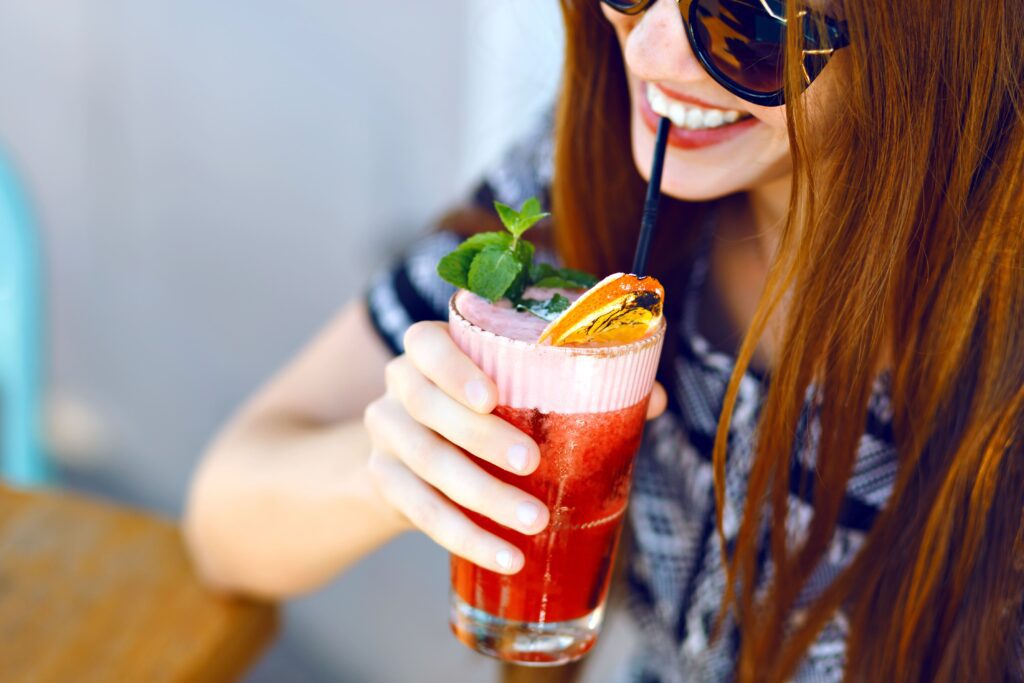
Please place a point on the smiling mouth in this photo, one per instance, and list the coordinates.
(688, 116)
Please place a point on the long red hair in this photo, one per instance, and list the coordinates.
(906, 231)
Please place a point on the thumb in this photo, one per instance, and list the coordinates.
(659, 399)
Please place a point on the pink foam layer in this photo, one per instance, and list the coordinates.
(504, 320)
(560, 379)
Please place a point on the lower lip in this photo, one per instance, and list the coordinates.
(683, 138)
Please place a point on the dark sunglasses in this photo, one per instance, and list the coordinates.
(742, 43)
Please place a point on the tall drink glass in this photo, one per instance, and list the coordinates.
(585, 407)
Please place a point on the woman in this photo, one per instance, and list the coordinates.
(849, 269)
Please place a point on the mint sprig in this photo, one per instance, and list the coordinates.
(518, 222)
(496, 265)
(493, 272)
(546, 275)
(548, 309)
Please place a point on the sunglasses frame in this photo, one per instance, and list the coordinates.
(836, 32)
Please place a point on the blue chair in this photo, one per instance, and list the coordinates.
(21, 457)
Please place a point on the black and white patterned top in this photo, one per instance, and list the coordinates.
(676, 578)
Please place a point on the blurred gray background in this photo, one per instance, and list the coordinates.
(213, 180)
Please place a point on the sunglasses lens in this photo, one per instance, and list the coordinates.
(743, 41)
(626, 6)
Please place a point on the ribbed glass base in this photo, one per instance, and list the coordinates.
(524, 642)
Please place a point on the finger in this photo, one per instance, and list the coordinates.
(439, 519)
(452, 472)
(432, 350)
(658, 402)
(485, 436)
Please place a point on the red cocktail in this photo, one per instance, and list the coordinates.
(585, 407)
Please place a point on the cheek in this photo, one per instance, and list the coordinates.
(773, 117)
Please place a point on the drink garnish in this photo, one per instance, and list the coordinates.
(619, 309)
(548, 309)
(499, 265)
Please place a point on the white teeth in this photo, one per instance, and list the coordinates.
(653, 93)
(686, 115)
(677, 113)
(659, 103)
(713, 118)
(660, 106)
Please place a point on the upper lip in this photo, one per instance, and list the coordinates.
(690, 99)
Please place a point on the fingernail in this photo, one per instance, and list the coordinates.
(527, 513)
(504, 559)
(517, 456)
(476, 392)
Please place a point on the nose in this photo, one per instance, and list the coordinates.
(657, 48)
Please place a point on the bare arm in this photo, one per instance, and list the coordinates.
(296, 488)
(283, 500)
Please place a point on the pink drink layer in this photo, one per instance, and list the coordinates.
(585, 408)
(560, 379)
(503, 319)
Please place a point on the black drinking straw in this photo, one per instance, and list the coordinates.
(650, 217)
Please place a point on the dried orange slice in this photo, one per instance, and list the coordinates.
(617, 310)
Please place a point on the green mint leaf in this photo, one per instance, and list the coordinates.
(454, 267)
(558, 303)
(546, 275)
(524, 254)
(486, 239)
(530, 208)
(559, 282)
(527, 222)
(547, 309)
(581, 278)
(493, 272)
(539, 271)
(518, 222)
(518, 286)
(509, 216)
(500, 264)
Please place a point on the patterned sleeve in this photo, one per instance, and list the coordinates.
(409, 290)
